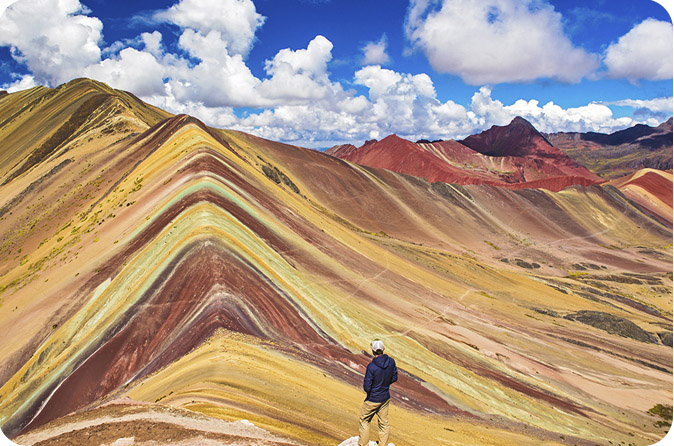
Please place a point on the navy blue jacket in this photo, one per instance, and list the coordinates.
(379, 375)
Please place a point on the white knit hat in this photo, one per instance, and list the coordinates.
(377, 345)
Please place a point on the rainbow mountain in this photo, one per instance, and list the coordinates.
(166, 281)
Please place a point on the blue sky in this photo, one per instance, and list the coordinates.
(321, 72)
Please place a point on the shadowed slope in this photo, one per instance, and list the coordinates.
(519, 138)
(240, 278)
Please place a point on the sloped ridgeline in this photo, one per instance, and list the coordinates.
(214, 275)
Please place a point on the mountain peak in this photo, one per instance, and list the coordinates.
(519, 138)
(518, 120)
(520, 124)
(86, 84)
(389, 138)
(341, 150)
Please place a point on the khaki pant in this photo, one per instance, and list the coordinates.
(368, 412)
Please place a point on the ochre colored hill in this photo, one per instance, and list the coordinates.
(515, 156)
(162, 278)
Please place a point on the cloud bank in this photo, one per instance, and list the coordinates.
(643, 53)
(55, 40)
(496, 41)
(297, 101)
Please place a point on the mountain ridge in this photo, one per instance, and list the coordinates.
(512, 156)
(620, 153)
(231, 277)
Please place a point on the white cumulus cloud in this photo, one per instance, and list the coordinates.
(549, 117)
(374, 53)
(55, 39)
(496, 41)
(313, 60)
(299, 75)
(235, 20)
(488, 111)
(407, 104)
(131, 70)
(645, 52)
(23, 83)
(218, 80)
(655, 105)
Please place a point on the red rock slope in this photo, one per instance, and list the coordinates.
(516, 156)
(651, 189)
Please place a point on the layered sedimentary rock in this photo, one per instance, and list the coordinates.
(149, 258)
(515, 156)
(651, 190)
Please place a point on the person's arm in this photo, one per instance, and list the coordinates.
(367, 381)
(395, 373)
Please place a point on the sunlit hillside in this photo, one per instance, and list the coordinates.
(160, 279)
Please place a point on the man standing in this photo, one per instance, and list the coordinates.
(379, 375)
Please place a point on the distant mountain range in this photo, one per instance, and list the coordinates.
(518, 156)
(620, 153)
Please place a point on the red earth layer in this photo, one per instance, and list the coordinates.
(525, 159)
(655, 184)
